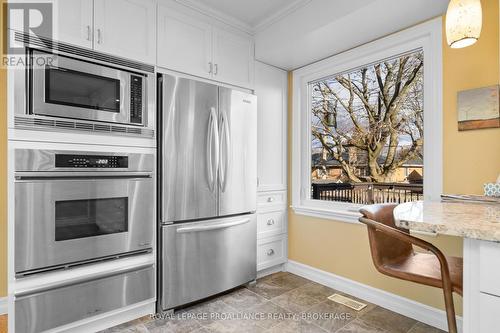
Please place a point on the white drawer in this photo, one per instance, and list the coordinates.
(489, 267)
(271, 223)
(271, 251)
(271, 199)
(489, 308)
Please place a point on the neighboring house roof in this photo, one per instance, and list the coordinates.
(361, 160)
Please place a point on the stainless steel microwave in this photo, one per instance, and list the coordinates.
(74, 88)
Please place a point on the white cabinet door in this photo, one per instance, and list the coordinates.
(271, 91)
(72, 22)
(233, 56)
(184, 42)
(126, 28)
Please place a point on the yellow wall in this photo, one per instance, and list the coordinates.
(3, 166)
(470, 159)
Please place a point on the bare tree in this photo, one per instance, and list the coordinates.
(375, 111)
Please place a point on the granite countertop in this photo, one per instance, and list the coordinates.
(463, 219)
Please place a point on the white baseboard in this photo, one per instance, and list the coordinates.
(270, 270)
(406, 307)
(4, 305)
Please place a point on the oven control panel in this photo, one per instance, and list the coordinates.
(91, 161)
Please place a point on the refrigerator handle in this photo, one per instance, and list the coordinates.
(212, 137)
(225, 157)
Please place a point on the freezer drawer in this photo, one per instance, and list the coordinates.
(52, 308)
(204, 258)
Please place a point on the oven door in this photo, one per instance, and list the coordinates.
(64, 221)
(78, 89)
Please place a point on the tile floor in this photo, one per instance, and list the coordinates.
(279, 303)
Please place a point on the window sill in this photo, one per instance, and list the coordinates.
(329, 214)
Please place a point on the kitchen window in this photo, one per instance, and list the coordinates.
(358, 127)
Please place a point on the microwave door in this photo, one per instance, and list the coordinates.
(70, 88)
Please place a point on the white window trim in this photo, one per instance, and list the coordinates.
(426, 36)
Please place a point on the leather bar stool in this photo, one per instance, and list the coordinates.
(393, 255)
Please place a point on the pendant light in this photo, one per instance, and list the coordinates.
(463, 22)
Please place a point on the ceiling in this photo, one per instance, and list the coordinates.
(322, 28)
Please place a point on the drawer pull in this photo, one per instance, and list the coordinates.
(270, 252)
(270, 222)
(270, 199)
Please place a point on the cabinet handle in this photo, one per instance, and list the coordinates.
(270, 252)
(270, 222)
(210, 67)
(99, 36)
(270, 199)
(89, 37)
(216, 69)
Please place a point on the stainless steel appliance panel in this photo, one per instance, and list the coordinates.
(238, 152)
(40, 242)
(201, 259)
(189, 149)
(85, 90)
(49, 309)
(72, 207)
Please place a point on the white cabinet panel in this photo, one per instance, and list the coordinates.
(271, 201)
(126, 28)
(73, 22)
(271, 252)
(271, 91)
(233, 57)
(271, 223)
(489, 310)
(489, 267)
(184, 42)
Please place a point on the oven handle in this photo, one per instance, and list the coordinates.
(78, 280)
(212, 226)
(33, 175)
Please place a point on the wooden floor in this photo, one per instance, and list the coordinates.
(3, 324)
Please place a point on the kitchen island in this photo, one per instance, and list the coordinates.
(479, 225)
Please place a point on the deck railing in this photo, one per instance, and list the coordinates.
(367, 193)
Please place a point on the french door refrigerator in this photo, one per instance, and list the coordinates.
(208, 162)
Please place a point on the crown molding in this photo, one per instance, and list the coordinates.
(218, 15)
(239, 24)
(283, 12)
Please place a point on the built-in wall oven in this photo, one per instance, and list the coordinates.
(76, 207)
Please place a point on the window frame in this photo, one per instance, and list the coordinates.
(426, 36)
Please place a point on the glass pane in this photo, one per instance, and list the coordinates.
(90, 217)
(68, 87)
(367, 133)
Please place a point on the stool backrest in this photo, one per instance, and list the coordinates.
(385, 248)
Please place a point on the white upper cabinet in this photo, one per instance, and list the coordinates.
(184, 43)
(126, 28)
(271, 91)
(233, 58)
(193, 43)
(73, 22)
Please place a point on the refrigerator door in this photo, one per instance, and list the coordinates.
(189, 153)
(201, 259)
(238, 152)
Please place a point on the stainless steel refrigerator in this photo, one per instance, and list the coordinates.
(208, 161)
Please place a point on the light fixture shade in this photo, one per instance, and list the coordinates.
(464, 19)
